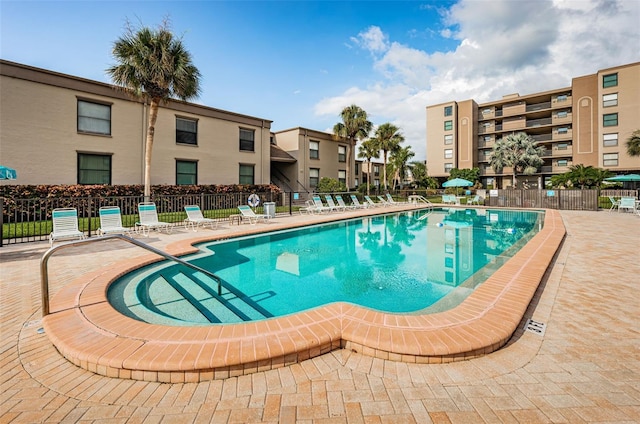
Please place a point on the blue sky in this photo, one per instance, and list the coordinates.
(298, 63)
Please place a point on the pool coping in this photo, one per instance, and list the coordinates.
(90, 333)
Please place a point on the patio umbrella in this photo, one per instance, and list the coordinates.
(623, 177)
(457, 182)
(7, 173)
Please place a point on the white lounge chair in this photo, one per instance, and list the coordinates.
(253, 217)
(473, 200)
(614, 203)
(111, 221)
(319, 206)
(627, 203)
(394, 202)
(341, 203)
(149, 219)
(383, 202)
(195, 218)
(332, 204)
(370, 202)
(356, 202)
(65, 225)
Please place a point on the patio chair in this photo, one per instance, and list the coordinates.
(475, 200)
(383, 202)
(149, 219)
(332, 204)
(342, 204)
(319, 206)
(253, 217)
(370, 202)
(111, 221)
(392, 201)
(65, 225)
(195, 218)
(356, 202)
(614, 203)
(627, 203)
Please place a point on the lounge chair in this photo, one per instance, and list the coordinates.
(370, 202)
(253, 217)
(111, 221)
(332, 204)
(392, 201)
(357, 204)
(319, 206)
(614, 203)
(342, 204)
(473, 200)
(383, 202)
(195, 218)
(449, 199)
(627, 203)
(149, 219)
(65, 225)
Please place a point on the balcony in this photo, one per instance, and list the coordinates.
(559, 101)
(558, 153)
(538, 106)
(539, 122)
(542, 137)
(562, 136)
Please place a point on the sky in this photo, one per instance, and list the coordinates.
(299, 63)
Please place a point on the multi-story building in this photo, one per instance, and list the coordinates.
(586, 123)
(61, 129)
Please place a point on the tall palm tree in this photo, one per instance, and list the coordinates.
(155, 66)
(633, 143)
(354, 126)
(388, 138)
(367, 151)
(400, 160)
(518, 151)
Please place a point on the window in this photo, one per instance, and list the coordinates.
(247, 173)
(376, 170)
(610, 159)
(448, 125)
(562, 98)
(94, 118)
(186, 131)
(448, 139)
(609, 140)
(314, 149)
(562, 146)
(94, 169)
(355, 182)
(247, 138)
(448, 262)
(448, 110)
(448, 153)
(448, 167)
(609, 119)
(563, 130)
(342, 153)
(563, 162)
(314, 177)
(357, 169)
(610, 100)
(562, 114)
(186, 172)
(342, 176)
(610, 80)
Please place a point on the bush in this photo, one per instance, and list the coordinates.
(330, 185)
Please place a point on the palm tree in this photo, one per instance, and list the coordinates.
(400, 160)
(388, 139)
(354, 126)
(633, 143)
(518, 151)
(367, 151)
(155, 66)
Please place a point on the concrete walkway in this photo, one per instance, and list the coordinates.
(585, 367)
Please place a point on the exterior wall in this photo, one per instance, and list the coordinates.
(567, 122)
(295, 141)
(39, 136)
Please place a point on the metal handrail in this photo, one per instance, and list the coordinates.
(44, 273)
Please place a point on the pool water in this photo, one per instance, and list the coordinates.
(408, 262)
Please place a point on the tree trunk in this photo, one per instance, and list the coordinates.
(151, 128)
(384, 170)
(514, 179)
(352, 144)
(369, 177)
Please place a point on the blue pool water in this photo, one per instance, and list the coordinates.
(409, 262)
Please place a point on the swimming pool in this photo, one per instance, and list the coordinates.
(409, 262)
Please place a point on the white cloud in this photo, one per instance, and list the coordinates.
(505, 46)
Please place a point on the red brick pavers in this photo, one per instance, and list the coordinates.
(585, 368)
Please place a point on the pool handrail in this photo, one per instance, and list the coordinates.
(44, 272)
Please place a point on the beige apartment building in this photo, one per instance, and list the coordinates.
(61, 129)
(587, 123)
(316, 155)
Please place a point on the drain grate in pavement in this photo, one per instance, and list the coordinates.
(535, 327)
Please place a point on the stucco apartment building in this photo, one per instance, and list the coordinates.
(586, 123)
(61, 129)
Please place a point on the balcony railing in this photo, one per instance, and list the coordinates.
(542, 137)
(538, 106)
(538, 122)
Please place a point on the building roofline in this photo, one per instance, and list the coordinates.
(311, 132)
(71, 82)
